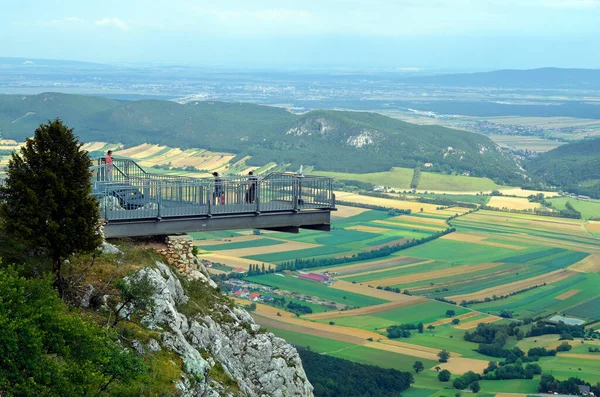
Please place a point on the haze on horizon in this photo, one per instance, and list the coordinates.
(428, 34)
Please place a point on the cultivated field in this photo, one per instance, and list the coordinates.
(512, 203)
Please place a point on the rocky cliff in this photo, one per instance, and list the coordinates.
(224, 352)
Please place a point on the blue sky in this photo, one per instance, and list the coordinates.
(429, 34)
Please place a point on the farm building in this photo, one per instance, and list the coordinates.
(254, 296)
(238, 270)
(238, 294)
(319, 278)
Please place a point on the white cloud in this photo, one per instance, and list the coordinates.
(112, 22)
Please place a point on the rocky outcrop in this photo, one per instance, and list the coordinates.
(223, 340)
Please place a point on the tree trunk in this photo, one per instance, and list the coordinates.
(58, 281)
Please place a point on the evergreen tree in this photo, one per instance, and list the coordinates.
(47, 204)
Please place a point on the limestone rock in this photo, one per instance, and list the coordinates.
(108, 248)
(261, 364)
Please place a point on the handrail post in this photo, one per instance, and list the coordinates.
(257, 195)
(158, 198)
(295, 193)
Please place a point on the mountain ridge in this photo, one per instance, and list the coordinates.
(327, 139)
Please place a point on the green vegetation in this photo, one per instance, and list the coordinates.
(333, 377)
(574, 167)
(588, 208)
(263, 242)
(47, 205)
(47, 349)
(397, 143)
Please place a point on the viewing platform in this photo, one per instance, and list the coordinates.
(134, 202)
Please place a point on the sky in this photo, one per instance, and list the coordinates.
(386, 34)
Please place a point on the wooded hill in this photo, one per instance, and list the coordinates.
(329, 140)
(574, 167)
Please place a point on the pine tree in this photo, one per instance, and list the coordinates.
(47, 204)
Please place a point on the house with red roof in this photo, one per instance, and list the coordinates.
(254, 296)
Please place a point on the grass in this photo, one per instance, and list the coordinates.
(566, 367)
(589, 309)
(382, 358)
(343, 236)
(422, 312)
(458, 252)
(397, 177)
(524, 386)
(455, 183)
(316, 343)
(311, 288)
(588, 208)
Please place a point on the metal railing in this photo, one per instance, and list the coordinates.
(128, 192)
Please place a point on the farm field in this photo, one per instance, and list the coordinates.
(530, 265)
(588, 208)
(512, 203)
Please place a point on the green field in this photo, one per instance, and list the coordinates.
(422, 312)
(400, 178)
(458, 252)
(588, 208)
(311, 288)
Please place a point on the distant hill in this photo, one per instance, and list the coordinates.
(329, 140)
(532, 78)
(575, 167)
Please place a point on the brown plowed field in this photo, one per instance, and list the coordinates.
(380, 269)
(449, 320)
(364, 289)
(399, 242)
(270, 323)
(589, 264)
(232, 261)
(453, 271)
(568, 294)
(289, 318)
(474, 323)
(593, 226)
(345, 211)
(500, 290)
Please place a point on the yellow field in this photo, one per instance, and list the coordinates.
(568, 294)
(344, 211)
(526, 193)
(384, 269)
(474, 238)
(453, 271)
(268, 249)
(473, 324)
(505, 289)
(593, 226)
(389, 203)
(421, 220)
(232, 261)
(589, 264)
(369, 229)
(512, 203)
